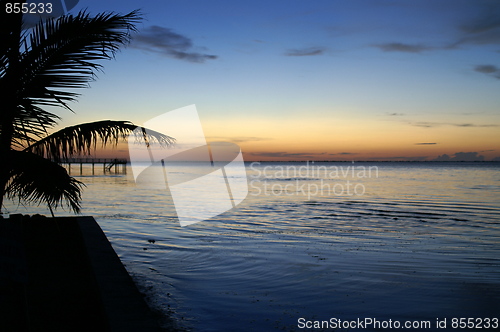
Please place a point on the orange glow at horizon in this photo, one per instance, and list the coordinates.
(341, 139)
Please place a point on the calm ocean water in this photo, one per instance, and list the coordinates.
(406, 242)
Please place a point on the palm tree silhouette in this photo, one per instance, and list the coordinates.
(38, 68)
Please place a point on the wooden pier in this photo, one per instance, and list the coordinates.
(108, 165)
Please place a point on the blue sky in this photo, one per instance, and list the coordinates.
(312, 80)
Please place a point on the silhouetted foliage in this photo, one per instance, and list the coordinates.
(38, 68)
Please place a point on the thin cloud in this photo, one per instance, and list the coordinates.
(472, 125)
(306, 51)
(164, 41)
(239, 139)
(395, 114)
(484, 29)
(489, 70)
(438, 124)
(402, 47)
(342, 154)
(426, 143)
(490, 22)
(486, 69)
(426, 124)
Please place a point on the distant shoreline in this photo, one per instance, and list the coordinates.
(342, 161)
(374, 161)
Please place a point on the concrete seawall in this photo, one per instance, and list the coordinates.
(62, 274)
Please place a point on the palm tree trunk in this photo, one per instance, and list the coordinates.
(10, 83)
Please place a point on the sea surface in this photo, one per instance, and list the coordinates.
(395, 241)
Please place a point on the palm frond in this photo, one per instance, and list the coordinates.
(83, 139)
(62, 53)
(39, 180)
(38, 68)
(30, 124)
